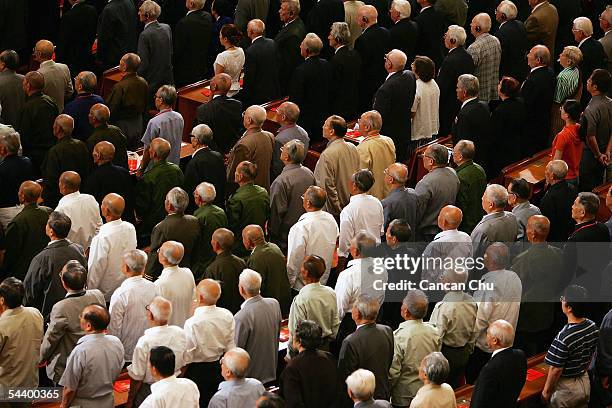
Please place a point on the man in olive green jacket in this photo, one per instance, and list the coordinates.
(473, 181)
(211, 218)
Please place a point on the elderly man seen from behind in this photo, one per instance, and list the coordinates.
(486, 53)
(360, 387)
(286, 192)
(288, 114)
(402, 202)
(85, 84)
(210, 333)
(433, 371)
(211, 217)
(175, 283)
(99, 115)
(129, 301)
(236, 390)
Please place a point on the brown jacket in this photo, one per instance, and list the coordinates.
(256, 147)
(542, 25)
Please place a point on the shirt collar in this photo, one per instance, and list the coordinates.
(537, 5)
(12, 312)
(189, 12)
(498, 350)
(249, 300)
(335, 52)
(198, 149)
(56, 240)
(533, 69)
(149, 23)
(443, 234)
(467, 100)
(256, 38)
(583, 40)
(47, 62)
(425, 8)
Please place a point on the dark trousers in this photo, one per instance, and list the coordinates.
(457, 359)
(347, 326)
(477, 360)
(592, 172)
(207, 377)
(600, 397)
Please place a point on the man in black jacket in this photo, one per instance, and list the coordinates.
(457, 62)
(372, 45)
(370, 347)
(260, 83)
(393, 101)
(431, 30)
(346, 73)
(404, 31)
(320, 19)
(502, 378)
(76, 35)
(309, 87)
(205, 165)
(593, 54)
(222, 113)
(472, 121)
(557, 202)
(288, 41)
(116, 32)
(192, 36)
(537, 91)
(512, 37)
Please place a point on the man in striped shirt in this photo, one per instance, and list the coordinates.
(569, 355)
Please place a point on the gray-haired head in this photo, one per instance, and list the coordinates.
(416, 303)
(65, 123)
(590, 202)
(9, 139)
(250, 281)
(466, 148)
(135, 260)
(151, 8)
(435, 367)
(438, 153)
(372, 119)
(456, 35)
(167, 94)
(178, 199)
(88, 81)
(256, 27)
(100, 113)
(237, 360)
(469, 83)
(483, 20)
(161, 309)
(398, 59)
(209, 290)
(508, 8)
(361, 384)
(364, 242)
(497, 195)
(558, 169)
(203, 134)
(289, 111)
(502, 331)
(402, 7)
(295, 150)
(173, 251)
(196, 4)
(398, 172)
(454, 276)
(367, 306)
(312, 43)
(497, 256)
(207, 192)
(257, 114)
(341, 33)
(131, 61)
(583, 24)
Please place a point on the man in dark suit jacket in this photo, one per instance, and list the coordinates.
(320, 19)
(537, 91)
(557, 202)
(501, 380)
(76, 35)
(68, 154)
(393, 101)
(431, 29)
(12, 96)
(457, 62)
(98, 117)
(472, 121)
(382, 8)
(309, 87)
(205, 165)
(14, 169)
(288, 41)
(346, 73)
(512, 37)
(260, 83)
(25, 235)
(370, 347)
(109, 178)
(372, 45)
(192, 36)
(593, 54)
(403, 31)
(116, 32)
(222, 113)
(154, 49)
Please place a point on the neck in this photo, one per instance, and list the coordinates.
(244, 183)
(158, 323)
(26, 203)
(167, 265)
(110, 218)
(495, 210)
(359, 322)
(571, 319)
(585, 219)
(537, 240)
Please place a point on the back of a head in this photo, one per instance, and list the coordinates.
(136, 260)
(590, 202)
(36, 80)
(309, 334)
(167, 94)
(178, 199)
(161, 147)
(295, 150)
(363, 179)
(60, 224)
(503, 332)
(163, 359)
(316, 196)
(314, 266)
(71, 181)
(558, 169)
(497, 195)
(365, 242)
(416, 302)
(10, 59)
(438, 153)
(270, 400)
(602, 79)
(577, 298)
(361, 383)
(367, 306)
(400, 229)
(10, 139)
(313, 44)
(469, 83)
(250, 281)
(97, 316)
(12, 291)
(436, 367)
(237, 360)
(74, 276)
(520, 188)
(173, 251)
(161, 309)
(248, 171)
(224, 238)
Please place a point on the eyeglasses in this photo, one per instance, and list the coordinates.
(561, 298)
(148, 307)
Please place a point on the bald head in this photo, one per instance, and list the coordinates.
(538, 227)
(161, 310)
(255, 116)
(103, 152)
(236, 361)
(501, 334)
(397, 174)
(44, 50)
(397, 61)
(223, 238)
(450, 217)
(367, 16)
(29, 192)
(99, 114)
(221, 83)
(209, 291)
(252, 236)
(171, 253)
(160, 149)
(289, 112)
(113, 206)
(63, 126)
(96, 318)
(69, 182)
(481, 23)
(314, 198)
(538, 56)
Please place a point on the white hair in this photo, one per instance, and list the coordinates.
(250, 281)
(502, 331)
(403, 8)
(584, 24)
(207, 192)
(456, 33)
(508, 8)
(152, 8)
(178, 198)
(362, 384)
(160, 314)
(135, 259)
(168, 250)
(10, 139)
(237, 361)
(497, 194)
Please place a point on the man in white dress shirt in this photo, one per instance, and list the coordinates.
(175, 283)
(364, 212)
(82, 209)
(58, 83)
(114, 239)
(160, 334)
(210, 333)
(502, 302)
(169, 391)
(315, 233)
(128, 302)
(448, 244)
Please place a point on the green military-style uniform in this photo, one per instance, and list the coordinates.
(35, 126)
(473, 182)
(113, 135)
(250, 204)
(151, 192)
(226, 268)
(211, 218)
(269, 261)
(25, 237)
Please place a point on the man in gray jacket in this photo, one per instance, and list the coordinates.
(64, 328)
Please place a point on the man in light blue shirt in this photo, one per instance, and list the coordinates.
(236, 390)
